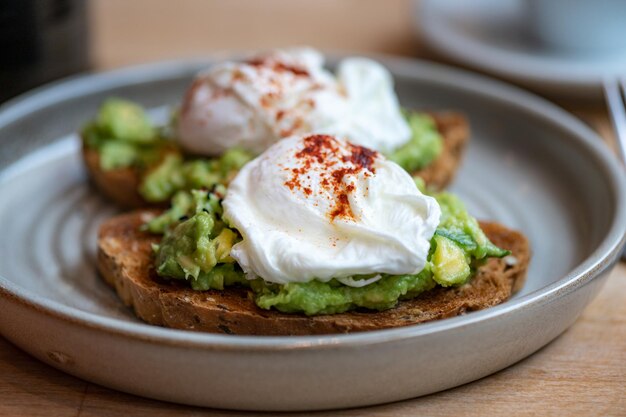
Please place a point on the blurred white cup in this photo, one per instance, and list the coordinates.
(579, 26)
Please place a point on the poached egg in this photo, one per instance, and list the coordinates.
(255, 103)
(316, 206)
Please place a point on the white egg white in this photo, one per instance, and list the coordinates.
(286, 210)
(253, 104)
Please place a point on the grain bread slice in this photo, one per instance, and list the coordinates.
(125, 262)
(122, 185)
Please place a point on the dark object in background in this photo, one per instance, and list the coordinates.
(40, 40)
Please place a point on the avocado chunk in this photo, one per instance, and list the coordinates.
(223, 243)
(117, 155)
(126, 121)
(124, 136)
(450, 266)
(163, 179)
(223, 275)
(187, 249)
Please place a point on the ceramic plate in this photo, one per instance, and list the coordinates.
(491, 35)
(530, 166)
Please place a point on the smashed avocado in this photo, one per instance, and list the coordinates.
(197, 243)
(174, 173)
(196, 248)
(124, 136)
(425, 145)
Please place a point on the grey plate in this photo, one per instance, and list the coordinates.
(530, 166)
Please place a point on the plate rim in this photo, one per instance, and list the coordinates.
(579, 135)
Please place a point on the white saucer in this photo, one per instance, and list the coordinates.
(490, 35)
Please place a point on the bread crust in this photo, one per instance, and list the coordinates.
(125, 261)
(455, 130)
(121, 185)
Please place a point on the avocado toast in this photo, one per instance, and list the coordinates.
(125, 261)
(143, 182)
(218, 269)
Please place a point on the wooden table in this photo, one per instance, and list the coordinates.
(582, 373)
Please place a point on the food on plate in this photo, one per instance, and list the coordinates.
(316, 235)
(254, 103)
(136, 164)
(235, 110)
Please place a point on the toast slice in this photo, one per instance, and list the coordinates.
(125, 262)
(122, 185)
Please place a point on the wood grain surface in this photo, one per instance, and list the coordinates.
(582, 373)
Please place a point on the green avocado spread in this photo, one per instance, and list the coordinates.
(424, 146)
(124, 136)
(174, 174)
(197, 242)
